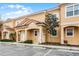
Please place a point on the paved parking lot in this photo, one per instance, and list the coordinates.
(20, 50)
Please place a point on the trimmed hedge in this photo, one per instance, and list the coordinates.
(28, 41)
(7, 40)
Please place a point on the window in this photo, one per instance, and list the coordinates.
(35, 33)
(70, 32)
(54, 33)
(72, 10)
(54, 15)
(76, 9)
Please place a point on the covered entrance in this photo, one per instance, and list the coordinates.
(22, 36)
(34, 35)
(30, 29)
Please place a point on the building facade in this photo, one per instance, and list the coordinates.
(31, 27)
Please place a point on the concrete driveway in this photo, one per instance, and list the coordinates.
(20, 50)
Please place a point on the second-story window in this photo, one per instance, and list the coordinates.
(69, 11)
(76, 9)
(72, 10)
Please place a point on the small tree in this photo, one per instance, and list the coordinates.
(51, 22)
(13, 36)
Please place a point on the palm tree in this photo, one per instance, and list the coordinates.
(51, 22)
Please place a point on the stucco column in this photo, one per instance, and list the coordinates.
(26, 35)
(16, 36)
(2, 35)
(41, 36)
(62, 35)
(8, 35)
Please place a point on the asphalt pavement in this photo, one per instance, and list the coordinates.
(20, 50)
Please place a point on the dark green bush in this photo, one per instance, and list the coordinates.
(7, 40)
(28, 41)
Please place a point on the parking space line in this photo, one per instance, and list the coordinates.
(36, 54)
(48, 52)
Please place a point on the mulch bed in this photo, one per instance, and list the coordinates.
(58, 44)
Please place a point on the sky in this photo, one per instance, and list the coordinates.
(12, 10)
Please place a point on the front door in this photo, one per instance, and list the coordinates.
(22, 36)
(36, 34)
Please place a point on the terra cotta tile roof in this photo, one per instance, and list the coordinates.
(27, 21)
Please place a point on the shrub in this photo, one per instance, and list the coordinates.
(7, 40)
(28, 41)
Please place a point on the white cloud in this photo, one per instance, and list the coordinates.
(13, 6)
(10, 6)
(19, 6)
(16, 6)
(18, 10)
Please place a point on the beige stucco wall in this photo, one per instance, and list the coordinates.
(38, 17)
(56, 11)
(67, 19)
(71, 40)
(54, 39)
(9, 23)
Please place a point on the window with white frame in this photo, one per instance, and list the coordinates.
(76, 9)
(72, 10)
(70, 32)
(69, 11)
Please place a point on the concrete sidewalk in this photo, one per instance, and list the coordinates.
(43, 46)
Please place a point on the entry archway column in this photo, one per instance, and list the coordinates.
(26, 34)
(62, 35)
(17, 32)
(41, 35)
(2, 35)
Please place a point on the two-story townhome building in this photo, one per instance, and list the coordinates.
(31, 27)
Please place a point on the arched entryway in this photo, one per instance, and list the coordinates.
(34, 35)
(71, 35)
(21, 36)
